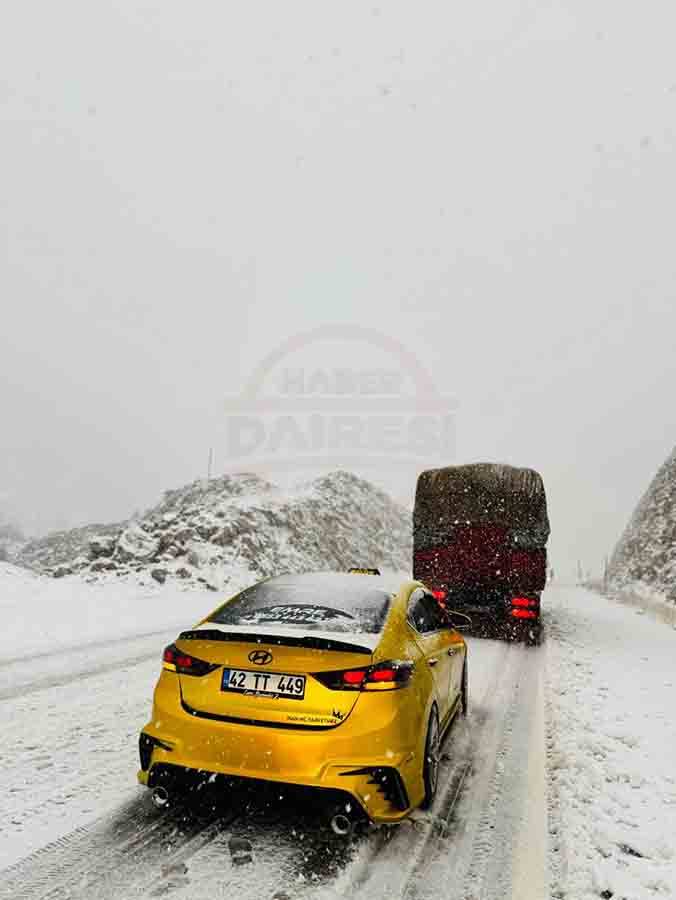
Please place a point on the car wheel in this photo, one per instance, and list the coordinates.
(464, 692)
(431, 759)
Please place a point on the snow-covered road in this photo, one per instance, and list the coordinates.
(561, 782)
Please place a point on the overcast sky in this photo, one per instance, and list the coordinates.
(185, 185)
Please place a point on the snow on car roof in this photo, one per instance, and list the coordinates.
(388, 580)
(336, 601)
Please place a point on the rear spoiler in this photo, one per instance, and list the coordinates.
(309, 642)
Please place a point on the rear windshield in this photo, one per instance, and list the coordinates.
(308, 607)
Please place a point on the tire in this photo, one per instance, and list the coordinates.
(464, 692)
(534, 635)
(431, 759)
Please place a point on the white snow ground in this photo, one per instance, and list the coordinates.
(41, 615)
(77, 667)
(611, 676)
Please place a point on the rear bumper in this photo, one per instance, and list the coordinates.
(342, 758)
(493, 613)
(385, 782)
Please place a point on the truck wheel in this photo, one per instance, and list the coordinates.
(534, 634)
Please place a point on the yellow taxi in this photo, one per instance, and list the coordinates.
(341, 682)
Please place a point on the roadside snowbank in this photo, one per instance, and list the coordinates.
(41, 614)
(612, 749)
(648, 599)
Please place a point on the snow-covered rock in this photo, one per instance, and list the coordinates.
(645, 557)
(63, 548)
(101, 545)
(136, 545)
(238, 528)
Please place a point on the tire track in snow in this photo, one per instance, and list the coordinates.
(33, 674)
(136, 852)
(485, 863)
(381, 872)
(469, 849)
(33, 875)
(21, 690)
(69, 756)
(103, 859)
(67, 649)
(558, 855)
(288, 860)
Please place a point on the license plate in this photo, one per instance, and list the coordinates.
(264, 684)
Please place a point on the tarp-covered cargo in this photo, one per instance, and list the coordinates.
(481, 493)
(483, 524)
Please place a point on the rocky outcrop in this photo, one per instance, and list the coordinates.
(73, 548)
(203, 532)
(645, 556)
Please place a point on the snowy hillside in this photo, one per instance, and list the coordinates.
(11, 539)
(645, 557)
(236, 528)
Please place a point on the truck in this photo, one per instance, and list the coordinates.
(480, 536)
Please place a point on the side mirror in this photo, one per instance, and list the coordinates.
(459, 620)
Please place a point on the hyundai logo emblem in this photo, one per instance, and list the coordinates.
(260, 657)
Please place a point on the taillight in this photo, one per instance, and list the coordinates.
(439, 595)
(524, 608)
(523, 601)
(383, 676)
(176, 660)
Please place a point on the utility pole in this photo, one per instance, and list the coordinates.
(210, 464)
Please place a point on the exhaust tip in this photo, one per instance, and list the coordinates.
(341, 825)
(160, 797)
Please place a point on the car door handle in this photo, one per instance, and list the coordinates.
(433, 661)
